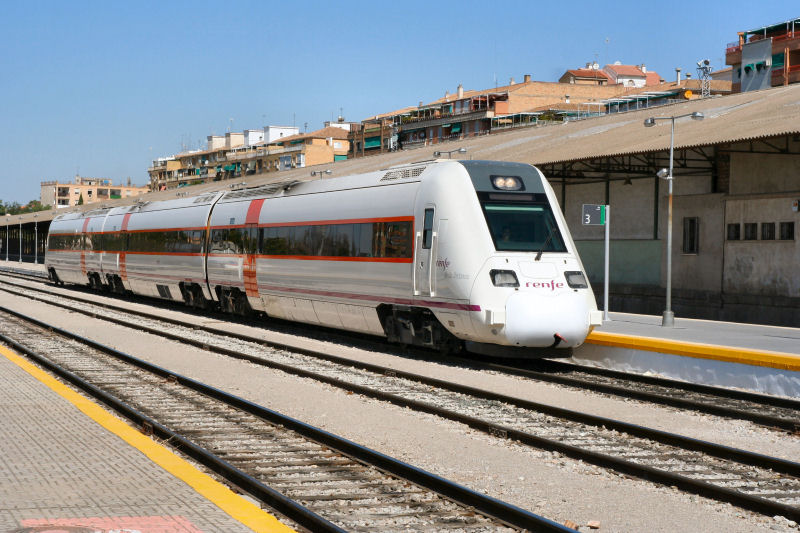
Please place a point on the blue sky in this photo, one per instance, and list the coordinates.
(102, 88)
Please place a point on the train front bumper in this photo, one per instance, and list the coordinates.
(543, 321)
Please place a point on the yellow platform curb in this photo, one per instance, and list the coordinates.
(743, 356)
(231, 503)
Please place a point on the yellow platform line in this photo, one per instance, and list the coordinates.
(744, 356)
(231, 503)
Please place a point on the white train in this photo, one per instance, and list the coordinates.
(433, 254)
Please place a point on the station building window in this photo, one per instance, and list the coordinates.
(750, 231)
(734, 232)
(691, 235)
(767, 231)
(787, 231)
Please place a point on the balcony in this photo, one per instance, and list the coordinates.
(446, 118)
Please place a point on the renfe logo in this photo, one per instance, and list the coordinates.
(552, 285)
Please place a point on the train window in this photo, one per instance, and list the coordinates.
(734, 232)
(275, 241)
(427, 229)
(115, 242)
(376, 239)
(336, 241)
(398, 239)
(750, 231)
(219, 241)
(523, 227)
(300, 240)
(362, 240)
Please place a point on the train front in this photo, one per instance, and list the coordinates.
(532, 289)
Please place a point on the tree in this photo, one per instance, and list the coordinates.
(13, 208)
(80, 200)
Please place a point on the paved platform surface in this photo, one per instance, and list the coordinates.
(729, 334)
(59, 467)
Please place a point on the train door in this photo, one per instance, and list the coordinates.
(250, 242)
(425, 255)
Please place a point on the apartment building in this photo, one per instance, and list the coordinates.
(768, 56)
(246, 153)
(85, 191)
(472, 113)
(631, 75)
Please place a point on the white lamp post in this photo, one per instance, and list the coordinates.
(668, 318)
(35, 240)
(461, 150)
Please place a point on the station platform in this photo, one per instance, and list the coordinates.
(67, 464)
(749, 356)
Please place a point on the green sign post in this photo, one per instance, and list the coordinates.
(600, 215)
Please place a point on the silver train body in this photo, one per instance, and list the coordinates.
(432, 254)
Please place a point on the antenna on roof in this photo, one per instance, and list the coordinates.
(704, 73)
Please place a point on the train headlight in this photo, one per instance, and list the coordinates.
(504, 278)
(507, 183)
(576, 279)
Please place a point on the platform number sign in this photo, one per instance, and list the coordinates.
(594, 215)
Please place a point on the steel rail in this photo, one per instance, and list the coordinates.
(652, 397)
(653, 474)
(491, 507)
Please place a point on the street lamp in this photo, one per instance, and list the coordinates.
(35, 240)
(448, 152)
(321, 173)
(668, 318)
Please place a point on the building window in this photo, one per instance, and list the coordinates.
(767, 231)
(691, 235)
(750, 231)
(787, 231)
(734, 232)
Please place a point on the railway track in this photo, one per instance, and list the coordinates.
(320, 481)
(770, 411)
(767, 485)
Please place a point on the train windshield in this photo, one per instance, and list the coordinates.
(518, 227)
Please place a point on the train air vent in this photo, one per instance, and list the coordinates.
(205, 198)
(163, 291)
(402, 173)
(263, 190)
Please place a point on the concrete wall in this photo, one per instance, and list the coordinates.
(234, 139)
(252, 137)
(768, 267)
(764, 173)
(215, 142)
(703, 270)
(273, 133)
(752, 53)
(631, 262)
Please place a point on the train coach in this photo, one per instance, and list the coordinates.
(437, 253)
